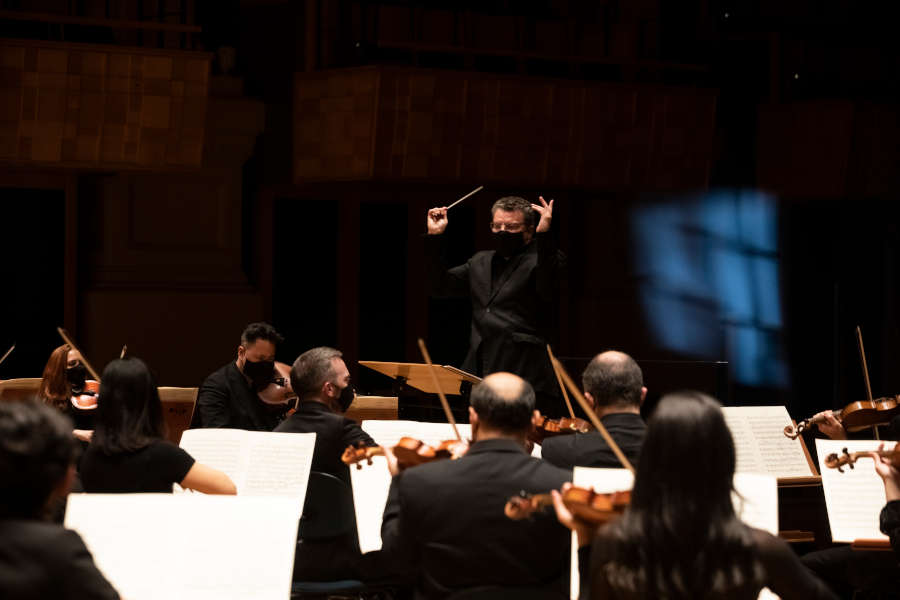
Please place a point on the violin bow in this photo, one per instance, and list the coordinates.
(68, 340)
(560, 381)
(472, 193)
(8, 352)
(437, 385)
(865, 369)
(561, 372)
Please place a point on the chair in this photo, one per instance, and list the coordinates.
(25, 388)
(178, 410)
(328, 515)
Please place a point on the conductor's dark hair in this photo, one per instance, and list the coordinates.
(680, 537)
(260, 331)
(312, 369)
(613, 378)
(129, 413)
(514, 203)
(36, 450)
(509, 414)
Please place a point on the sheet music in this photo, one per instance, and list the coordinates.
(174, 546)
(388, 433)
(260, 463)
(760, 443)
(854, 498)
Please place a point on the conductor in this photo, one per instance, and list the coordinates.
(513, 289)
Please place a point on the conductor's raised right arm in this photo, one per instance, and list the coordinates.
(442, 280)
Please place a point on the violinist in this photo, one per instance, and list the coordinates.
(229, 397)
(513, 289)
(889, 519)
(679, 537)
(65, 374)
(614, 385)
(39, 559)
(444, 523)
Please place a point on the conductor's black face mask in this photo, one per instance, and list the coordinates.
(507, 244)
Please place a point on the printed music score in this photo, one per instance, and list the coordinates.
(260, 463)
(761, 445)
(854, 498)
(163, 546)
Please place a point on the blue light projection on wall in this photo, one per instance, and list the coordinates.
(708, 266)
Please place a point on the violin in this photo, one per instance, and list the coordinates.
(586, 504)
(409, 452)
(545, 427)
(278, 393)
(835, 461)
(856, 416)
(86, 398)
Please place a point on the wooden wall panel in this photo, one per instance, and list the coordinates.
(416, 124)
(101, 106)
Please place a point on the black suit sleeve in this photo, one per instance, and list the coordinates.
(550, 265)
(443, 281)
(890, 523)
(398, 542)
(353, 435)
(213, 403)
(79, 576)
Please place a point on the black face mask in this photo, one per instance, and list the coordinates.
(76, 376)
(260, 372)
(346, 398)
(507, 244)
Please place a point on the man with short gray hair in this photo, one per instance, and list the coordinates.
(513, 289)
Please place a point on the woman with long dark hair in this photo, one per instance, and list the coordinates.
(680, 537)
(128, 452)
(63, 375)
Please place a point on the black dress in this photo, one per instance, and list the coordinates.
(153, 468)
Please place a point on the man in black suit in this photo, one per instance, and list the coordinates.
(321, 381)
(614, 385)
(40, 559)
(513, 289)
(444, 523)
(229, 397)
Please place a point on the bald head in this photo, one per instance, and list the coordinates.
(613, 378)
(504, 402)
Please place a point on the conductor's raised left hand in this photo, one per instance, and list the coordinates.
(546, 213)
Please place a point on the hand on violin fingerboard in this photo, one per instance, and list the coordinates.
(884, 466)
(831, 427)
(584, 530)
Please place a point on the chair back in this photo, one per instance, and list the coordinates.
(25, 388)
(178, 409)
(328, 509)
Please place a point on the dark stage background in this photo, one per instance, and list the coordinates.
(725, 176)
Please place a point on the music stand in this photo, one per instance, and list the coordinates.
(417, 375)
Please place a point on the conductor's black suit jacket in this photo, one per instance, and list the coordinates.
(444, 523)
(513, 319)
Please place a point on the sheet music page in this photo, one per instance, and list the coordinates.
(388, 433)
(854, 498)
(278, 464)
(760, 443)
(221, 449)
(174, 546)
(370, 485)
(756, 500)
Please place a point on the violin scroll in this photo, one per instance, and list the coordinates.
(833, 461)
(794, 431)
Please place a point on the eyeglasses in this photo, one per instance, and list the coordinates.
(508, 227)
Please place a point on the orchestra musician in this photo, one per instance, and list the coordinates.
(64, 374)
(229, 397)
(889, 520)
(679, 536)
(128, 452)
(40, 559)
(513, 289)
(614, 386)
(321, 380)
(444, 524)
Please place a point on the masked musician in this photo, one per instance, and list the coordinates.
(40, 559)
(444, 523)
(614, 385)
(65, 374)
(321, 381)
(229, 397)
(513, 289)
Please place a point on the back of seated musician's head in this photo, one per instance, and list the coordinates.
(37, 457)
(613, 382)
(502, 405)
(680, 536)
(129, 412)
(320, 375)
